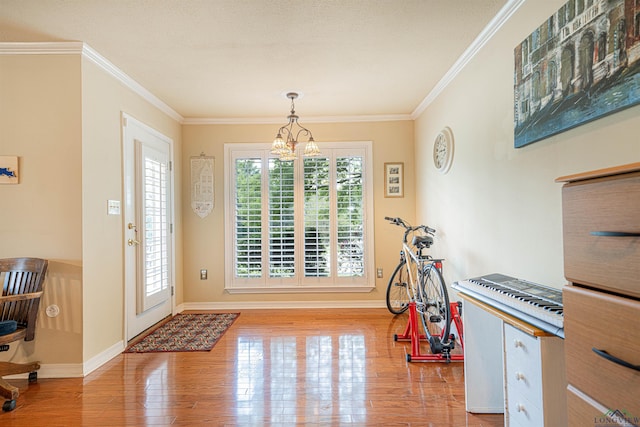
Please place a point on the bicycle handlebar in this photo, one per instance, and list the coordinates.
(402, 223)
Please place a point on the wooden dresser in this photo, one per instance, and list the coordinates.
(601, 231)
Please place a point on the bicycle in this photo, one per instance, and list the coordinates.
(418, 278)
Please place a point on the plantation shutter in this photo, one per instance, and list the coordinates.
(317, 223)
(248, 218)
(350, 204)
(303, 224)
(281, 219)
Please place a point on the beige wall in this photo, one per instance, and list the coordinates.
(204, 248)
(61, 115)
(103, 100)
(499, 209)
(40, 122)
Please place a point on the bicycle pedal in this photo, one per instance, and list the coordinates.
(435, 319)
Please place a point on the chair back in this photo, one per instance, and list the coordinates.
(22, 276)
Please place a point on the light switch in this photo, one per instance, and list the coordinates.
(203, 274)
(113, 207)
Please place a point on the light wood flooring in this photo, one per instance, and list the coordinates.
(323, 367)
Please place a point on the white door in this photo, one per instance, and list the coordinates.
(148, 224)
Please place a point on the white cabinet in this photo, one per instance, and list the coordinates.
(534, 379)
(512, 367)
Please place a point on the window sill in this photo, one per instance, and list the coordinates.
(297, 289)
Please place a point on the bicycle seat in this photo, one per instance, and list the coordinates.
(422, 242)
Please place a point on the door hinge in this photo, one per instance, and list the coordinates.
(172, 290)
(170, 166)
(171, 228)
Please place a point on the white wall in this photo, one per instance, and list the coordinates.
(499, 209)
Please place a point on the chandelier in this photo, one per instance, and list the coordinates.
(287, 138)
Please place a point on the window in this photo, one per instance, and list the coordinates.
(303, 225)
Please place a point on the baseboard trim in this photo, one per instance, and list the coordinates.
(247, 305)
(102, 358)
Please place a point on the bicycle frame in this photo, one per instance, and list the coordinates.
(416, 286)
(415, 255)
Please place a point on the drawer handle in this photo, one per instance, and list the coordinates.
(614, 234)
(615, 360)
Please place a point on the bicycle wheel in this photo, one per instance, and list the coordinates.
(434, 309)
(398, 290)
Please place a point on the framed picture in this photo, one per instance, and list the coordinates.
(8, 169)
(394, 180)
(580, 64)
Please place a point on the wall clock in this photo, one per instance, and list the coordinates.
(443, 150)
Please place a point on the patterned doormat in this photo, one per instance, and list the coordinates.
(185, 332)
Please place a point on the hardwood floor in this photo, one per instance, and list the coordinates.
(272, 367)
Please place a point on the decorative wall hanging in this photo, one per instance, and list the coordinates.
(8, 170)
(202, 185)
(579, 65)
(394, 180)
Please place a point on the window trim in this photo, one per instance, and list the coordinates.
(363, 284)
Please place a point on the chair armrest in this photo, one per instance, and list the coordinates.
(20, 297)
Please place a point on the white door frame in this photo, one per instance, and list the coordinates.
(129, 214)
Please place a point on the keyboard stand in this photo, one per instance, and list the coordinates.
(412, 333)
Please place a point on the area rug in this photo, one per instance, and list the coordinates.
(185, 332)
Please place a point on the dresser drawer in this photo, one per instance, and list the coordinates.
(590, 208)
(583, 413)
(609, 323)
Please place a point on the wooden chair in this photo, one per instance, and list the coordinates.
(22, 280)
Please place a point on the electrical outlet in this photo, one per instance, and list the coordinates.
(379, 273)
(203, 274)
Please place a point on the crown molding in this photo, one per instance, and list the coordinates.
(489, 31)
(41, 48)
(119, 75)
(307, 119)
(80, 48)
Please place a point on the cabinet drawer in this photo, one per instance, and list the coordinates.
(609, 323)
(522, 412)
(609, 204)
(522, 365)
(583, 412)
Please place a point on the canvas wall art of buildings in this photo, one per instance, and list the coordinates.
(579, 65)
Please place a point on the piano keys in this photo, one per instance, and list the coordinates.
(536, 304)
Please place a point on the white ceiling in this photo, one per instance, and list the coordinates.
(235, 59)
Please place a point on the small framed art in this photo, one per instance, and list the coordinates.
(8, 169)
(394, 179)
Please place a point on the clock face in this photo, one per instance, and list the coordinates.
(443, 150)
